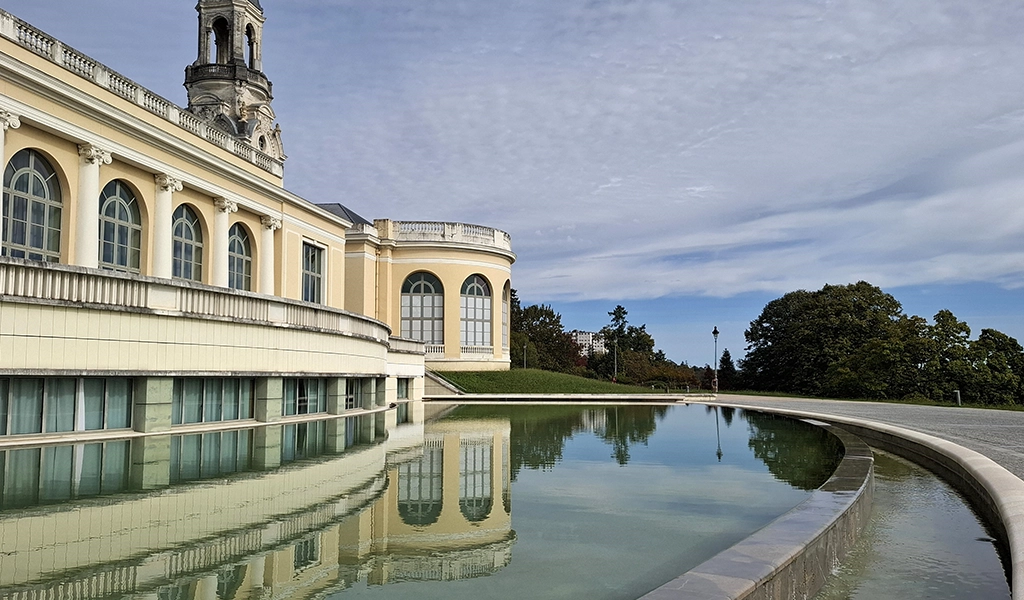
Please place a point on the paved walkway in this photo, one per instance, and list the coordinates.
(998, 434)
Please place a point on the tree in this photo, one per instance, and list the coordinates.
(555, 349)
(798, 337)
(727, 375)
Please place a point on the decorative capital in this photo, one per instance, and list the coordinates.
(9, 120)
(225, 205)
(93, 155)
(167, 183)
(271, 223)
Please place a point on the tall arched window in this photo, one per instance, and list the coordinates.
(423, 308)
(31, 208)
(221, 42)
(120, 228)
(476, 312)
(239, 259)
(505, 297)
(187, 261)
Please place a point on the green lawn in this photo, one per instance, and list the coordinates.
(535, 381)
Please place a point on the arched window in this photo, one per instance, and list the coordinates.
(420, 488)
(505, 297)
(423, 308)
(120, 228)
(221, 41)
(31, 208)
(239, 259)
(250, 47)
(476, 312)
(187, 260)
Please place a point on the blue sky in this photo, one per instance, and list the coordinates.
(691, 160)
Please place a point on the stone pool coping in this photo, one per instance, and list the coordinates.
(993, 490)
(793, 556)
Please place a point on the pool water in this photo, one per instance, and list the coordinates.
(487, 502)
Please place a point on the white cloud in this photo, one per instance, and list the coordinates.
(654, 147)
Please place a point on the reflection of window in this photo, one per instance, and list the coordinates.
(475, 494)
(202, 456)
(187, 259)
(476, 312)
(303, 440)
(57, 473)
(307, 552)
(239, 259)
(305, 396)
(55, 404)
(120, 229)
(419, 488)
(202, 400)
(423, 308)
(31, 208)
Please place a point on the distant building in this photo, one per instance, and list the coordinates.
(590, 342)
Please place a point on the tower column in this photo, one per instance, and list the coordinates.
(87, 217)
(221, 228)
(266, 254)
(162, 225)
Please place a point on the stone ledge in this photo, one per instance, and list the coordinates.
(991, 489)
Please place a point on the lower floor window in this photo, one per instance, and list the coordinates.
(303, 440)
(204, 400)
(403, 389)
(58, 404)
(305, 396)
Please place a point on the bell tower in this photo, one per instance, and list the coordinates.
(226, 84)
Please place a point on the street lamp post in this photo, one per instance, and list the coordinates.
(524, 353)
(714, 381)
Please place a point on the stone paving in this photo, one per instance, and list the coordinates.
(998, 434)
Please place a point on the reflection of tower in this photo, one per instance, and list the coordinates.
(226, 84)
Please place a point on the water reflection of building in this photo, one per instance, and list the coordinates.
(396, 502)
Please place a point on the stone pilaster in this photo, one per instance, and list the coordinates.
(267, 285)
(269, 399)
(219, 249)
(88, 207)
(8, 120)
(163, 242)
(153, 398)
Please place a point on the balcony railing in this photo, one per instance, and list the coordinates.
(57, 52)
(435, 350)
(476, 351)
(435, 231)
(51, 282)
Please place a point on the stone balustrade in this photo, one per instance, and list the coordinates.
(436, 231)
(60, 54)
(53, 283)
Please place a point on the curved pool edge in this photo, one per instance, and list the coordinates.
(991, 489)
(793, 555)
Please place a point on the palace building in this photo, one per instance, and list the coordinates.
(156, 276)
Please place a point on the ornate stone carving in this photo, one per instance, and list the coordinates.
(94, 155)
(168, 183)
(9, 120)
(271, 223)
(225, 205)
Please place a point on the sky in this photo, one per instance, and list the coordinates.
(690, 160)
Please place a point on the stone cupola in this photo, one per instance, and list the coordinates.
(226, 85)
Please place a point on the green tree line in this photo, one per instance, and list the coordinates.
(855, 341)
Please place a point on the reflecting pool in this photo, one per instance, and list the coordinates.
(609, 502)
